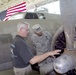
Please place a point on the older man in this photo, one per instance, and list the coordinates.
(42, 44)
(21, 54)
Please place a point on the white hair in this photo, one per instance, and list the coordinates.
(21, 24)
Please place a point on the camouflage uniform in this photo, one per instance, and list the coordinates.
(42, 44)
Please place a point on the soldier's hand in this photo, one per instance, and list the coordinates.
(55, 52)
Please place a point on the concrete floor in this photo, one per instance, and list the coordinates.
(7, 72)
(10, 72)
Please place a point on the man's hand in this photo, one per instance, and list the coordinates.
(55, 52)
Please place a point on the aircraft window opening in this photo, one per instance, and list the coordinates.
(41, 16)
(31, 16)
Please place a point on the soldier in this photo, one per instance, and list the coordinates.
(42, 44)
(21, 53)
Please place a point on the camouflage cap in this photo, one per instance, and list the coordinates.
(37, 28)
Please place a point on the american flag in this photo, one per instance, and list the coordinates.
(15, 9)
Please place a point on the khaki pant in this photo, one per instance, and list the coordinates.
(23, 71)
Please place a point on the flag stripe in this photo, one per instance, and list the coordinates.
(15, 9)
(11, 14)
(24, 3)
(18, 10)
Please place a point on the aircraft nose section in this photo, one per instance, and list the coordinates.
(63, 64)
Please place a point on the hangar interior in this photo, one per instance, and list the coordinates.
(5, 4)
(62, 27)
